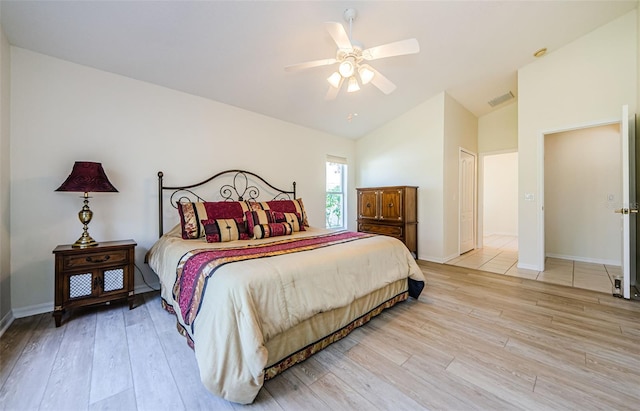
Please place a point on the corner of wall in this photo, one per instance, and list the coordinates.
(6, 316)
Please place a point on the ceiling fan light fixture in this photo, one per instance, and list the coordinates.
(334, 79)
(353, 85)
(347, 68)
(366, 74)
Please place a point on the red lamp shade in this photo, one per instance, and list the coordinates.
(87, 177)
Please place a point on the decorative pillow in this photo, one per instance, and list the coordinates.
(226, 229)
(192, 214)
(271, 230)
(257, 217)
(284, 206)
(292, 218)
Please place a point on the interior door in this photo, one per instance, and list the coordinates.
(467, 183)
(629, 208)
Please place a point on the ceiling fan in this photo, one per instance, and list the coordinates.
(352, 59)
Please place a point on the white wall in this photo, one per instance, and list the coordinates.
(497, 133)
(460, 131)
(5, 243)
(584, 83)
(63, 112)
(409, 151)
(421, 148)
(498, 130)
(582, 187)
(500, 182)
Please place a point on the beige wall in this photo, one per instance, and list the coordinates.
(584, 83)
(500, 194)
(582, 187)
(409, 151)
(498, 130)
(421, 148)
(5, 237)
(460, 132)
(63, 112)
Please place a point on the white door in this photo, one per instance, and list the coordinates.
(467, 201)
(629, 206)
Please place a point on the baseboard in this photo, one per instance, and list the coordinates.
(584, 259)
(5, 322)
(33, 310)
(431, 260)
(48, 307)
(528, 267)
(144, 288)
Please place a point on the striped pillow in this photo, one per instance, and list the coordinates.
(226, 229)
(271, 230)
(257, 217)
(192, 214)
(292, 218)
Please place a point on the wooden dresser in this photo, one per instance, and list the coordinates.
(391, 211)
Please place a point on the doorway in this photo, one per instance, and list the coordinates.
(582, 188)
(500, 201)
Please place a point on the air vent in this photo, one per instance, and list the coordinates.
(501, 99)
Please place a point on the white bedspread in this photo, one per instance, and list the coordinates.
(246, 303)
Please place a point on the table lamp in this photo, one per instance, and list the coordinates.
(86, 177)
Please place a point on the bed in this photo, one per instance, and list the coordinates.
(256, 290)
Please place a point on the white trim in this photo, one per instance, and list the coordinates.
(143, 288)
(531, 267)
(475, 196)
(33, 310)
(6, 322)
(48, 307)
(585, 259)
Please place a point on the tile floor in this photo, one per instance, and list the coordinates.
(500, 255)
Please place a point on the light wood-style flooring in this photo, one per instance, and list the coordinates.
(474, 340)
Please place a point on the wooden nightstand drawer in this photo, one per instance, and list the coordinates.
(72, 262)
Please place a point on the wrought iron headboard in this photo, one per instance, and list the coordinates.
(233, 191)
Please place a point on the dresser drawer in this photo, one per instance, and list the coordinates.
(389, 230)
(88, 260)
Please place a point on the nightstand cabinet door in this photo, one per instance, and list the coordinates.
(93, 275)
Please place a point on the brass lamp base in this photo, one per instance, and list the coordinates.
(84, 241)
(85, 216)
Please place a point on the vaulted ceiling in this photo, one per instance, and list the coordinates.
(235, 52)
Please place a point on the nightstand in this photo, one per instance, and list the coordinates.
(93, 275)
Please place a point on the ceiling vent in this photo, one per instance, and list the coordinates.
(501, 99)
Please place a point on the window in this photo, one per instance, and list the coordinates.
(336, 169)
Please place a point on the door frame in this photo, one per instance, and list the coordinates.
(540, 203)
(475, 196)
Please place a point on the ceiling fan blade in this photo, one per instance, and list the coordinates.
(333, 91)
(398, 48)
(339, 35)
(384, 84)
(310, 64)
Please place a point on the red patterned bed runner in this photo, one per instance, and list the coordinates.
(197, 266)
